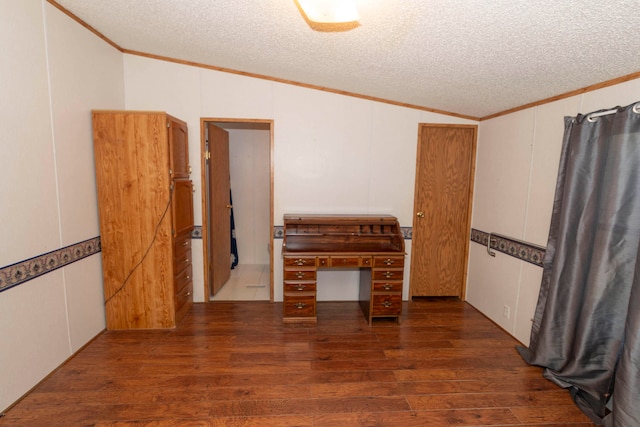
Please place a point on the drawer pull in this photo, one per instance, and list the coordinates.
(387, 287)
(366, 261)
(388, 274)
(186, 261)
(388, 261)
(301, 287)
(188, 277)
(300, 274)
(188, 294)
(300, 305)
(300, 262)
(323, 261)
(185, 243)
(387, 303)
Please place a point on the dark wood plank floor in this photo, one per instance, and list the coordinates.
(237, 364)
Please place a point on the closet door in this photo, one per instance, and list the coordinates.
(219, 212)
(442, 221)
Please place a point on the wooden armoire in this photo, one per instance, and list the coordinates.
(145, 204)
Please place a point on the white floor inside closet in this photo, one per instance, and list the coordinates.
(248, 282)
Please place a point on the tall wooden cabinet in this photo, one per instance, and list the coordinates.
(145, 201)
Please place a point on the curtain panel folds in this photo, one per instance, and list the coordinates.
(586, 326)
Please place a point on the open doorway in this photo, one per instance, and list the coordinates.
(237, 207)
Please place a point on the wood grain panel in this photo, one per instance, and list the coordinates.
(140, 209)
(219, 241)
(443, 196)
(133, 194)
(179, 148)
(182, 207)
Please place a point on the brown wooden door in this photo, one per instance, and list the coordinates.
(442, 221)
(219, 220)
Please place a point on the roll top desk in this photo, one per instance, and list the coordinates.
(371, 243)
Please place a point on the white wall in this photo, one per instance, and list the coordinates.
(52, 73)
(332, 153)
(249, 167)
(516, 172)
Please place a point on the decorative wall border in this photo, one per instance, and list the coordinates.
(20, 272)
(525, 251)
(407, 232)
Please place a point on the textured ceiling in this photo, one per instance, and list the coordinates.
(469, 57)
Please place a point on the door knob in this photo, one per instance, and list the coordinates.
(229, 206)
(420, 214)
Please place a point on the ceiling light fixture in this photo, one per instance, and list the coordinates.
(330, 11)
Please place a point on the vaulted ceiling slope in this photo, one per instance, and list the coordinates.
(473, 58)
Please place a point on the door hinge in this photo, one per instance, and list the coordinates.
(207, 155)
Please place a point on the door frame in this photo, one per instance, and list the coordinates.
(472, 179)
(203, 181)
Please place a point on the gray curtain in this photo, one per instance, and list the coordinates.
(586, 326)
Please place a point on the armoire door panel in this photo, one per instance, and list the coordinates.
(182, 206)
(179, 148)
(141, 211)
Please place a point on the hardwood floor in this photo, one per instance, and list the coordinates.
(237, 364)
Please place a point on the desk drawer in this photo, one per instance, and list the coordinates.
(390, 274)
(386, 304)
(299, 275)
(344, 261)
(300, 306)
(387, 286)
(299, 287)
(388, 261)
(301, 261)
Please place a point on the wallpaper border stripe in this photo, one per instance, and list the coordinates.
(524, 251)
(23, 271)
